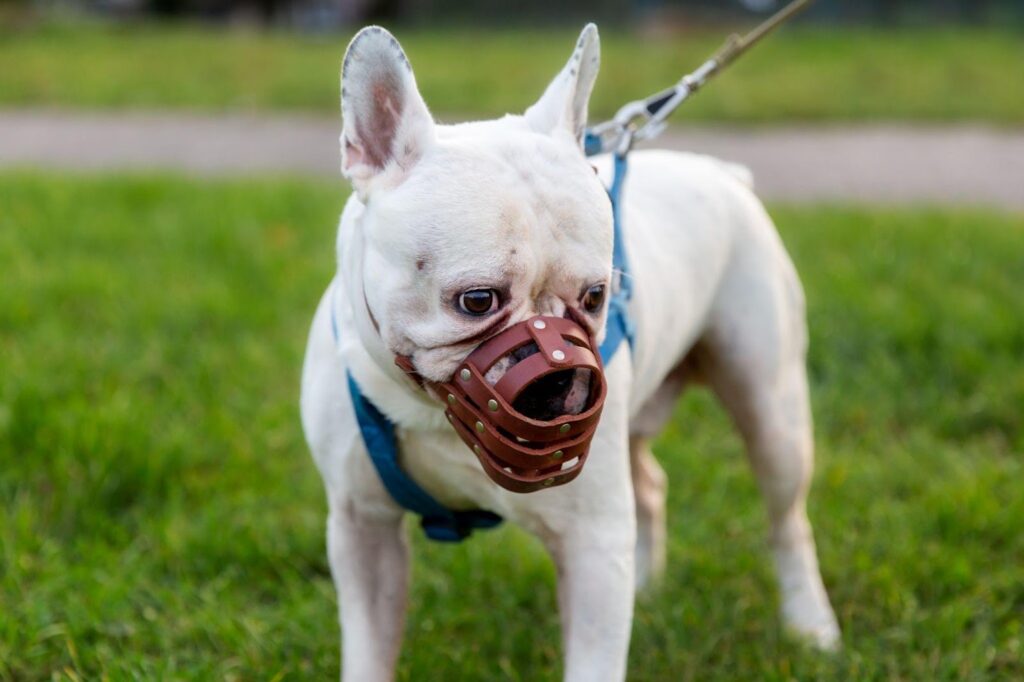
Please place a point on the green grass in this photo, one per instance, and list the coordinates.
(805, 74)
(160, 517)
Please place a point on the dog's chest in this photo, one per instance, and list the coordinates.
(440, 463)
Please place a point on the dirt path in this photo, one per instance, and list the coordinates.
(883, 164)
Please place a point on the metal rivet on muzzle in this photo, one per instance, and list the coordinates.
(539, 324)
(465, 375)
(492, 405)
(451, 398)
(558, 355)
(476, 449)
(479, 427)
(564, 428)
(558, 454)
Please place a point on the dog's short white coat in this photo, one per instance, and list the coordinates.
(514, 204)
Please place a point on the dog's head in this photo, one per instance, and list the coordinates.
(468, 229)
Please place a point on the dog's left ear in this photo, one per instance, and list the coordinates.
(563, 106)
(386, 127)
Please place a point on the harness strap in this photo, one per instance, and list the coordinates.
(438, 522)
(619, 326)
(378, 432)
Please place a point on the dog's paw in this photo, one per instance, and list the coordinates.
(822, 634)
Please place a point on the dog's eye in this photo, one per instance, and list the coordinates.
(479, 301)
(593, 299)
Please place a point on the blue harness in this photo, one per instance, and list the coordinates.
(449, 525)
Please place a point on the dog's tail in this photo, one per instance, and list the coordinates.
(738, 171)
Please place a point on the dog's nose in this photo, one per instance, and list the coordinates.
(554, 395)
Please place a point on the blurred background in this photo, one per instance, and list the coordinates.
(333, 14)
(169, 192)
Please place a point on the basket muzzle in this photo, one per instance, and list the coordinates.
(519, 452)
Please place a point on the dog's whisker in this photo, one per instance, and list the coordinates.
(622, 273)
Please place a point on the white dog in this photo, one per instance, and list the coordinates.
(452, 226)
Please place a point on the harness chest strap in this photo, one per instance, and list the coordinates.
(378, 432)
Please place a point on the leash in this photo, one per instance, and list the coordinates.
(644, 119)
(638, 120)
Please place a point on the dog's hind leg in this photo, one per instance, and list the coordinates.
(774, 418)
(649, 488)
(753, 356)
(650, 484)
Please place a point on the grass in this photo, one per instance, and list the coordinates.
(805, 74)
(160, 517)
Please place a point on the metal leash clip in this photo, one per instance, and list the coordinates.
(617, 134)
(644, 119)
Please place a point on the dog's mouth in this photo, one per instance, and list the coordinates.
(560, 393)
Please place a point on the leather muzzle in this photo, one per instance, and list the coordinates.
(518, 452)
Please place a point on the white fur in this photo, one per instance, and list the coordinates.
(513, 203)
(563, 106)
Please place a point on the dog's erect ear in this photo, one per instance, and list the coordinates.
(386, 127)
(563, 106)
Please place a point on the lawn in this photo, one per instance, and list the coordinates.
(799, 74)
(160, 517)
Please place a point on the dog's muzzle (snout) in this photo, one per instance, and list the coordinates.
(519, 451)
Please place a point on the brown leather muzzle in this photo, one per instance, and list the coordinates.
(518, 452)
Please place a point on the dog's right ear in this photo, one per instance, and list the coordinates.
(386, 126)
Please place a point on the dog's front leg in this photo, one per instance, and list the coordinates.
(593, 544)
(595, 597)
(369, 560)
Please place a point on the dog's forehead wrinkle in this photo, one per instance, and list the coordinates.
(493, 272)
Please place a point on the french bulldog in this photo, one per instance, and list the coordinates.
(455, 232)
